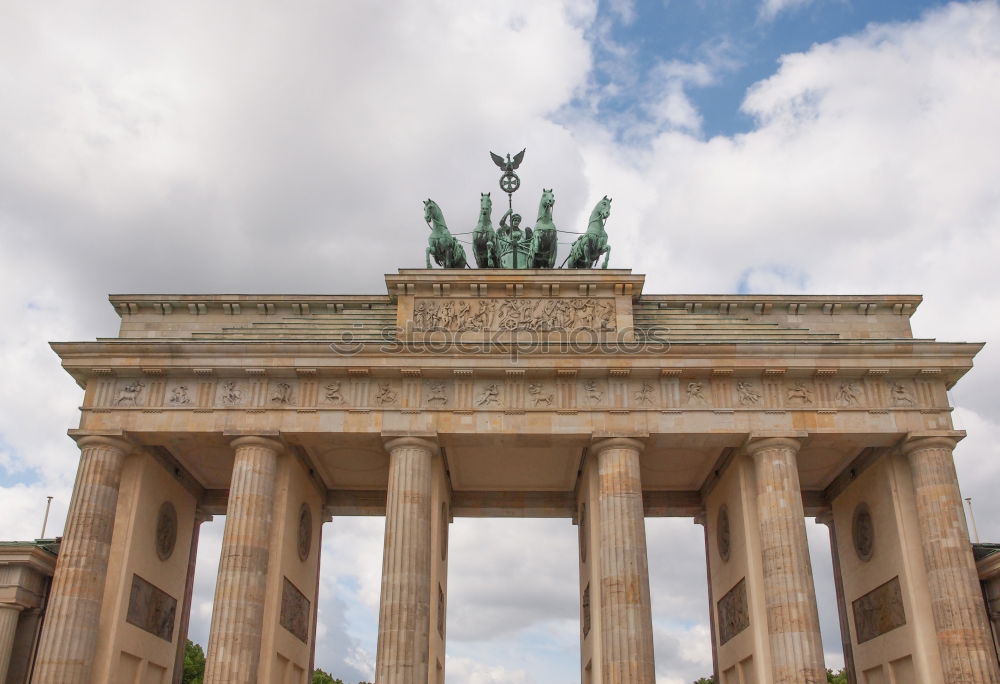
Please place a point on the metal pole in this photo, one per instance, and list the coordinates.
(972, 519)
(45, 521)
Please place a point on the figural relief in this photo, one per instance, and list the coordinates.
(901, 395)
(733, 612)
(334, 394)
(798, 394)
(281, 393)
(879, 611)
(848, 394)
(129, 394)
(695, 396)
(179, 396)
(386, 395)
(592, 392)
(232, 394)
(747, 394)
(436, 393)
(509, 315)
(644, 395)
(539, 396)
(490, 396)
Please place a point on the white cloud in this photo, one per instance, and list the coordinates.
(769, 9)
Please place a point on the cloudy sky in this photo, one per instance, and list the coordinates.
(792, 146)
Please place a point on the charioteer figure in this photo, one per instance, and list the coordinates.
(513, 242)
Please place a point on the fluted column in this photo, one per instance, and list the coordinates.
(238, 612)
(626, 618)
(69, 637)
(404, 610)
(9, 613)
(789, 593)
(963, 633)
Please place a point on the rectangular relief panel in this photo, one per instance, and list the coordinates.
(596, 314)
(294, 611)
(879, 611)
(734, 614)
(151, 609)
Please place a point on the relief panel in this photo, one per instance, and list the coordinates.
(879, 611)
(734, 614)
(151, 609)
(294, 611)
(532, 314)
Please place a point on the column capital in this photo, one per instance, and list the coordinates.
(201, 516)
(258, 441)
(758, 442)
(825, 517)
(700, 518)
(428, 442)
(11, 606)
(917, 441)
(122, 445)
(600, 444)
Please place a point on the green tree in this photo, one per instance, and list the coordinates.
(194, 663)
(705, 680)
(323, 677)
(836, 677)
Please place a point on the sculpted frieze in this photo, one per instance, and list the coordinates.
(534, 314)
(516, 391)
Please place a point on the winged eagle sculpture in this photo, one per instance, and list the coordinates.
(508, 165)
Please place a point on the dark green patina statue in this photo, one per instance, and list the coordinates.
(589, 247)
(442, 245)
(512, 246)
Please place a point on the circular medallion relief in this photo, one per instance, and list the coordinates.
(722, 533)
(305, 531)
(166, 530)
(863, 532)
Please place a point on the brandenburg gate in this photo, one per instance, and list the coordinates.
(547, 393)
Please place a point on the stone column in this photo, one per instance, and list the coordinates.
(404, 610)
(963, 633)
(238, 613)
(9, 613)
(200, 517)
(69, 636)
(789, 594)
(626, 618)
(826, 518)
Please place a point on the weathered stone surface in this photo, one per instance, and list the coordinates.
(9, 614)
(69, 637)
(238, 614)
(792, 616)
(956, 599)
(626, 616)
(404, 609)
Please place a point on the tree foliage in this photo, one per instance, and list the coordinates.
(705, 680)
(324, 677)
(836, 677)
(194, 664)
